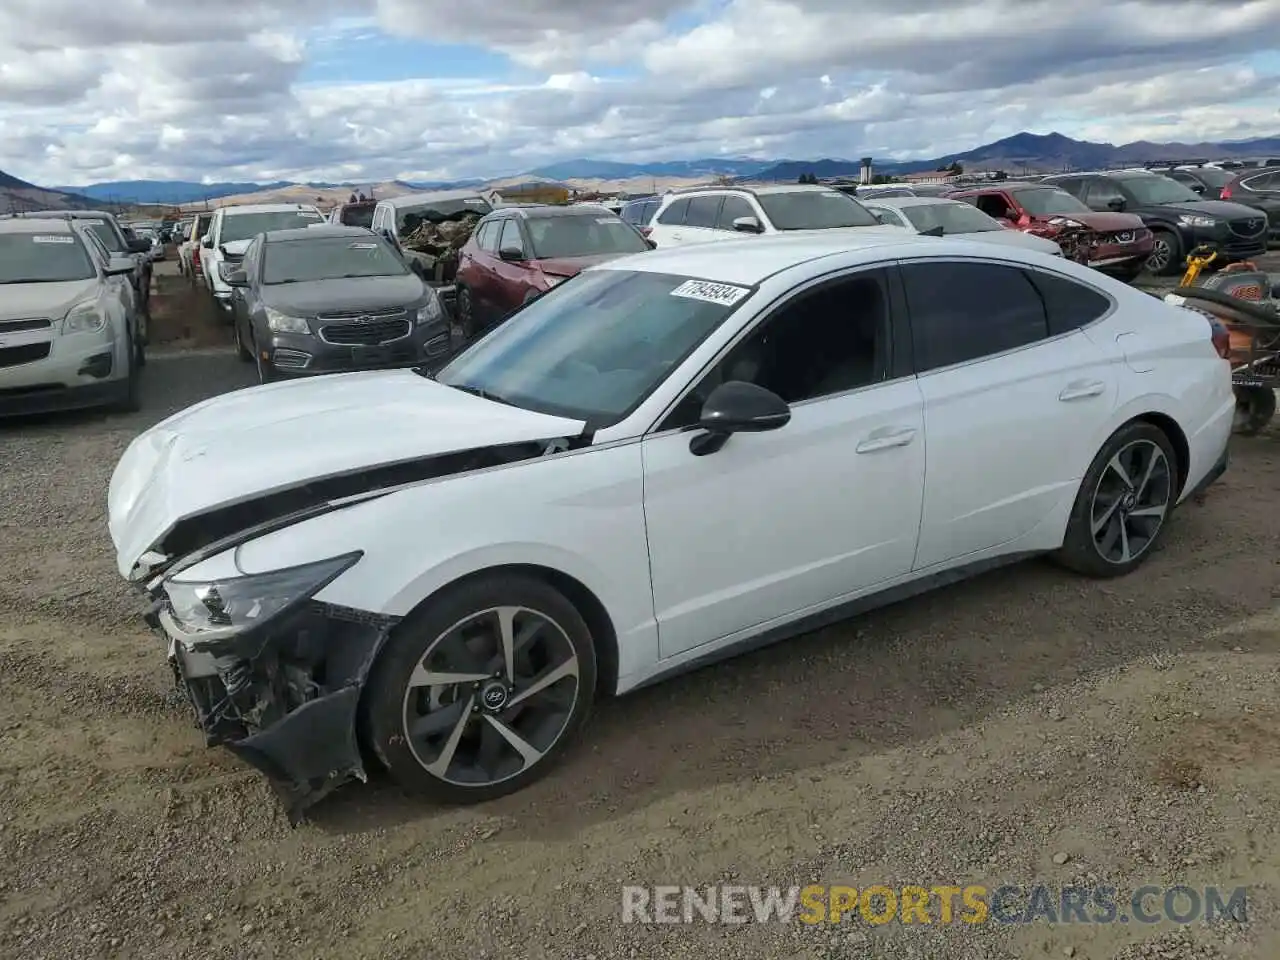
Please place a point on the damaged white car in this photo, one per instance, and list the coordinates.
(659, 462)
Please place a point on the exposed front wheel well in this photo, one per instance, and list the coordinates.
(1182, 450)
(604, 637)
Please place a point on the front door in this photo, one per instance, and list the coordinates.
(777, 523)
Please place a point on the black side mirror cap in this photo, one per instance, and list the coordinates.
(737, 407)
(511, 254)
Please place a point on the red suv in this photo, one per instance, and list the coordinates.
(518, 253)
(1044, 210)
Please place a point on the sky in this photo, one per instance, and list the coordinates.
(369, 90)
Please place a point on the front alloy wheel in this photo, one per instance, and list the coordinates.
(1123, 504)
(479, 692)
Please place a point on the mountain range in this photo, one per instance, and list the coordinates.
(1022, 152)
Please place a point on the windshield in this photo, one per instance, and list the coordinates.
(814, 210)
(1049, 202)
(328, 258)
(409, 218)
(1153, 191)
(951, 217)
(246, 226)
(357, 216)
(576, 236)
(43, 258)
(110, 239)
(594, 347)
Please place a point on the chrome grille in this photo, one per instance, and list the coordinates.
(15, 326)
(364, 329)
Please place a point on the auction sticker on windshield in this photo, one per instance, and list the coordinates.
(725, 294)
(53, 239)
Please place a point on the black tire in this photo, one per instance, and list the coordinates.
(243, 351)
(140, 353)
(130, 400)
(1080, 552)
(1162, 263)
(1255, 408)
(387, 699)
(464, 311)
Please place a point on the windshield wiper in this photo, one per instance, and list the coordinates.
(479, 392)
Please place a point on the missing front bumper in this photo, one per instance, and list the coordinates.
(286, 700)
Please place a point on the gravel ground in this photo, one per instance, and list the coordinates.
(1024, 727)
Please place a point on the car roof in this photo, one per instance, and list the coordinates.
(267, 208)
(319, 232)
(753, 259)
(413, 199)
(36, 225)
(70, 215)
(1004, 185)
(914, 202)
(545, 210)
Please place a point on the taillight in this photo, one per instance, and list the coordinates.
(645, 231)
(1226, 193)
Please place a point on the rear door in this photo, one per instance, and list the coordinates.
(668, 226)
(1012, 402)
(700, 220)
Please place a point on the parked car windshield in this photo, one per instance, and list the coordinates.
(1213, 176)
(1049, 202)
(1153, 191)
(361, 216)
(814, 210)
(408, 218)
(246, 226)
(41, 258)
(110, 239)
(576, 236)
(952, 217)
(329, 258)
(594, 347)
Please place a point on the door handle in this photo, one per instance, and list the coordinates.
(1079, 389)
(884, 439)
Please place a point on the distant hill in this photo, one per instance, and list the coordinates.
(19, 196)
(1029, 151)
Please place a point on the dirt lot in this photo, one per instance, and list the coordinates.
(1024, 727)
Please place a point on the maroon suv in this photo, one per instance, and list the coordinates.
(1124, 242)
(518, 253)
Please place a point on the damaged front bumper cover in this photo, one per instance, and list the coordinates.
(284, 697)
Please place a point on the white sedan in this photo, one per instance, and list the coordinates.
(665, 459)
(949, 218)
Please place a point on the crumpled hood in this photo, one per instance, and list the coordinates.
(1106, 222)
(1220, 209)
(256, 441)
(572, 266)
(27, 301)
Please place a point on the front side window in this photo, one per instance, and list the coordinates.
(594, 348)
(1049, 202)
(703, 211)
(110, 238)
(357, 216)
(996, 206)
(962, 311)
(510, 238)
(44, 258)
(825, 341)
(487, 236)
(1153, 191)
(814, 210)
(329, 258)
(246, 226)
(950, 217)
(577, 236)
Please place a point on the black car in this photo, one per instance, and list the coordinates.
(329, 299)
(1207, 182)
(1179, 218)
(1260, 189)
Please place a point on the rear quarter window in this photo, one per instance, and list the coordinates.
(1068, 305)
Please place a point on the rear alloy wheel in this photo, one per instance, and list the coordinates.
(478, 694)
(1124, 503)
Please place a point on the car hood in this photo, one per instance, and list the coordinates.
(1102, 222)
(343, 294)
(1219, 209)
(572, 266)
(1011, 238)
(882, 229)
(253, 442)
(23, 301)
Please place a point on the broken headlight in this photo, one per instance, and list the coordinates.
(207, 609)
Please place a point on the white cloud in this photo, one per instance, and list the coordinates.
(149, 89)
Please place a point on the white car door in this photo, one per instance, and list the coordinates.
(208, 266)
(700, 220)
(1014, 396)
(826, 507)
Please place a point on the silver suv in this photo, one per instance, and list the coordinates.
(69, 331)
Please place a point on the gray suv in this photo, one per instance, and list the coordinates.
(69, 332)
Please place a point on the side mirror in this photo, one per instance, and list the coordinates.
(1117, 204)
(119, 266)
(737, 407)
(139, 246)
(207, 242)
(511, 254)
(1196, 187)
(747, 225)
(237, 278)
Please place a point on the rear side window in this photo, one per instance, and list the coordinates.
(1267, 181)
(966, 311)
(1067, 305)
(674, 214)
(703, 211)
